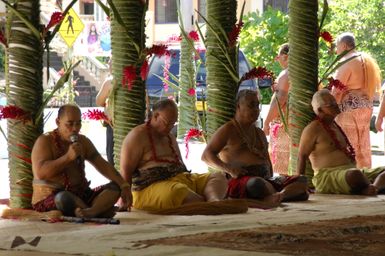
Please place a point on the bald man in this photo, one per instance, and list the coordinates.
(361, 76)
(150, 160)
(332, 156)
(59, 172)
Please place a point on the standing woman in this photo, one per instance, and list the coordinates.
(273, 125)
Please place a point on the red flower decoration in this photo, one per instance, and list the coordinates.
(144, 70)
(3, 39)
(56, 18)
(13, 112)
(234, 34)
(325, 35)
(193, 35)
(174, 38)
(257, 72)
(191, 134)
(336, 84)
(96, 114)
(129, 75)
(158, 50)
(191, 92)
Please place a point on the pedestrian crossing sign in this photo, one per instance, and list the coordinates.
(71, 27)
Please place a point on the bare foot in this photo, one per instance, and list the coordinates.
(370, 190)
(84, 213)
(109, 213)
(274, 198)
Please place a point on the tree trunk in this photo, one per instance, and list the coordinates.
(25, 90)
(220, 58)
(128, 106)
(303, 71)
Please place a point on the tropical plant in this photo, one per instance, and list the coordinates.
(128, 105)
(24, 90)
(188, 114)
(221, 63)
(303, 71)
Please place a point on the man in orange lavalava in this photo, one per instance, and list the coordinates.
(362, 78)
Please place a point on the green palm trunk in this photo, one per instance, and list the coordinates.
(303, 70)
(220, 59)
(128, 106)
(187, 110)
(25, 90)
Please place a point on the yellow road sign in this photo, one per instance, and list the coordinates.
(71, 27)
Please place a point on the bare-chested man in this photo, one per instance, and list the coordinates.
(59, 175)
(151, 161)
(239, 149)
(362, 77)
(332, 156)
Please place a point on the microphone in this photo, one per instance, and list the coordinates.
(75, 138)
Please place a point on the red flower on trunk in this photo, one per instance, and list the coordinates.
(3, 39)
(257, 72)
(129, 75)
(234, 34)
(192, 133)
(157, 49)
(96, 114)
(13, 112)
(193, 35)
(144, 70)
(325, 35)
(56, 18)
(191, 92)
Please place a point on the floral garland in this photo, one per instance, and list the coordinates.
(153, 150)
(348, 150)
(59, 146)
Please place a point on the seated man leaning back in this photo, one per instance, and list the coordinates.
(59, 176)
(240, 149)
(151, 161)
(332, 156)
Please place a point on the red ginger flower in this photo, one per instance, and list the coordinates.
(129, 75)
(144, 70)
(191, 92)
(158, 50)
(193, 35)
(13, 112)
(56, 18)
(96, 114)
(234, 34)
(325, 35)
(191, 134)
(257, 72)
(3, 39)
(336, 83)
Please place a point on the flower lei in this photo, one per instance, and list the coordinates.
(59, 146)
(348, 150)
(153, 150)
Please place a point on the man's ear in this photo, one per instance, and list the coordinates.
(57, 121)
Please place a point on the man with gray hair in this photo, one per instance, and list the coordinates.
(332, 156)
(361, 76)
